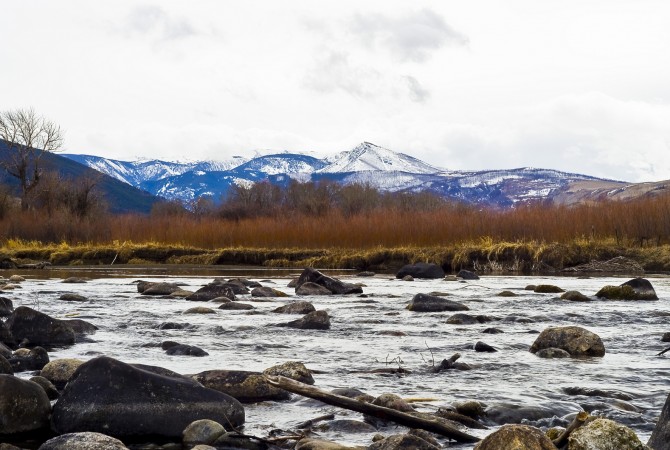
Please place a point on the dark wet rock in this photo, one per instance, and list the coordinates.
(590, 392)
(345, 426)
(619, 264)
(577, 341)
(69, 297)
(83, 441)
(59, 371)
(267, 292)
(421, 271)
(245, 386)
(183, 350)
(5, 366)
(6, 336)
(575, 296)
(199, 310)
(366, 274)
(75, 280)
(203, 431)
(159, 288)
(235, 285)
(236, 306)
(25, 359)
(294, 370)
(507, 294)
(319, 444)
(309, 288)
(467, 275)
(299, 307)
(47, 385)
(173, 326)
(407, 278)
(635, 289)
(483, 347)
(402, 442)
(547, 289)
(24, 406)
(220, 300)
(470, 408)
(5, 351)
(530, 287)
(111, 396)
(505, 413)
(80, 327)
(467, 319)
(244, 281)
(38, 328)
(552, 352)
(603, 433)
(6, 307)
(665, 337)
(293, 283)
(212, 291)
(317, 320)
(517, 437)
(428, 303)
(493, 331)
(660, 437)
(332, 284)
(452, 364)
(7, 264)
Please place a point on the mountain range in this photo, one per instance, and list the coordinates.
(366, 163)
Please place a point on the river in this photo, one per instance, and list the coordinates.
(377, 331)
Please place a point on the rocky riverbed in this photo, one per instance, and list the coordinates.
(374, 343)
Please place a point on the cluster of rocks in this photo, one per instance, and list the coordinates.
(428, 271)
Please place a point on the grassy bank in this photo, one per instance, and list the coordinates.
(484, 255)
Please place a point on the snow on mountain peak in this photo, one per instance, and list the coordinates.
(368, 156)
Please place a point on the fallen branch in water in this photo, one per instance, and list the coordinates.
(580, 419)
(664, 351)
(398, 417)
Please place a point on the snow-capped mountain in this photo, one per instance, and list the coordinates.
(366, 163)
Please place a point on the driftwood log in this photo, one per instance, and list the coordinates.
(580, 419)
(398, 417)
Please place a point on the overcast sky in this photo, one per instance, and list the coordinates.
(574, 85)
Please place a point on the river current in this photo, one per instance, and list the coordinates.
(376, 331)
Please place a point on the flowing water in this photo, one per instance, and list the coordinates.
(377, 331)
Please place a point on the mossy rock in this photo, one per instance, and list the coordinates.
(507, 294)
(623, 292)
(605, 434)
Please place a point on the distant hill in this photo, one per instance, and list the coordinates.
(121, 197)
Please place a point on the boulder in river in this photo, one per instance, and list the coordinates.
(552, 352)
(25, 359)
(309, 288)
(660, 438)
(402, 442)
(47, 385)
(106, 395)
(316, 320)
(575, 296)
(421, 270)
(236, 306)
(24, 406)
(245, 386)
(603, 433)
(299, 307)
(548, 289)
(157, 288)
(635, 289)
(83, 441)
(59, 371)
(175, 348)
(38, 328)
(294, 370)
(6, 307)
(467, 275)
(212, 291)
(577, 341)
(334, 285)
(517, 437)
(71, 297)
(430, 303)
(267, 292)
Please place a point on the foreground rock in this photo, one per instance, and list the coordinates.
(24, 406)
(421, 270)
(148, 288)
(245, 386)
(575, 296)
(83, 441)
(109, 396)
(309, 288)
(577, 341)
(431, 303)
(635, 289)
(516, 437)
(60, 371)
(660, 438)
(603, 433)
(334, 285)
(38, 328)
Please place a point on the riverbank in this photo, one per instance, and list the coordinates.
(485, 256)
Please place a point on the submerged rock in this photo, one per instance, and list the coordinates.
(548, 289)
(106, 395)
(317, 320)
(635, 289)
(83, 441)
(603, 434)
(299, 307)
(267, 292)
(516, 437)
(429, 303)
(575, 296)
(421, 270)
(577, 341)
(334, 285)
(245, 386)
(24, 406)
(174, 348)
(212, 291)
(552, 352)
(467, 275)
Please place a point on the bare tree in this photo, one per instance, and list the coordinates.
(28, 136)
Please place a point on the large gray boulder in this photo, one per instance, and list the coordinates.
(577, 341)
(660, 438)
(24, 406)
(334, 285)
(635, 289)
(106, 395)
(421, 270)
(38, 328)
(83, 441)
(431, 303)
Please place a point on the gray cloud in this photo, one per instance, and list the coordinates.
(417, 93)
(154, 21)
(411, 37)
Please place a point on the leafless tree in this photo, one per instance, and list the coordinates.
(28, 136)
